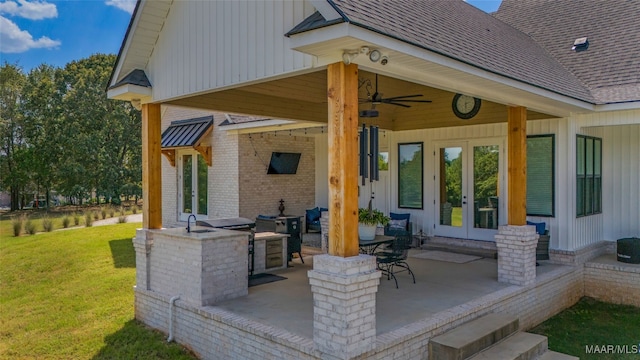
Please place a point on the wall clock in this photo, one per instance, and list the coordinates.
(465, 106)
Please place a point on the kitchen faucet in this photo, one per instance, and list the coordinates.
(189, 222)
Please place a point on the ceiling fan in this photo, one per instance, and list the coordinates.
(376, 98)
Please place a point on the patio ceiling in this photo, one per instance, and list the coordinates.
(304, 97)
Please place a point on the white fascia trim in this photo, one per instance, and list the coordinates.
(268, 125)
(307, 39)
(325, 9)
(127, 44)
(632, 105)
(130, 92)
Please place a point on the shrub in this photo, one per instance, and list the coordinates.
(134, 209)
(18, 225)
(122, 211)
(66, 221)
(103, 212)
(30, 227)
(122, 219)
(88, 218)
(47, 224)
(112, 211)
(76, 219)
(96, 215)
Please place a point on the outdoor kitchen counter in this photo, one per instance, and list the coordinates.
(270, 251)
(203, 267)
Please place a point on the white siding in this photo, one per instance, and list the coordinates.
(207, 45)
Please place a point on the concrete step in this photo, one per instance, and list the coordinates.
(485, 253)
(519, 346)
(472, 337)
(552, 355)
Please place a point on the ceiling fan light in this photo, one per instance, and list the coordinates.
(375, 55)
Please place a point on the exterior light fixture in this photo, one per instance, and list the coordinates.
(375, 55)
(384, 60)
(348, 57)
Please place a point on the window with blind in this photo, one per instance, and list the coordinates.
(588, 175)
(540, 175)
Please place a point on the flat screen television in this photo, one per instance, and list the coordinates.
(283, 163)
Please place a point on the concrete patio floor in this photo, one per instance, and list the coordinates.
(440, 285)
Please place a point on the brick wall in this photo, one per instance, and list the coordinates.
(617, 282)
(260, 193)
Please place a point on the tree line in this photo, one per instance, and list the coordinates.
(59, 132)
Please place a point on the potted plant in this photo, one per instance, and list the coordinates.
(368, 220)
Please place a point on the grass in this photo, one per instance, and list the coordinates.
(68, 295)
(590, 323)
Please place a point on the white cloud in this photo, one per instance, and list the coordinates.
(126, 5)
(35, 10)
(14, 40)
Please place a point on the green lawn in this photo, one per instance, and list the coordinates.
(69, 295)
(590, 323)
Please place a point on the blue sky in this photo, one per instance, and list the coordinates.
(57, 32)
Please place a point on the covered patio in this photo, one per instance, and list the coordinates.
(442, 287)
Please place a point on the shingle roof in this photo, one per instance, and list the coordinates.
(462, 32)
(188, 132)
(136, 77)
(610, 68)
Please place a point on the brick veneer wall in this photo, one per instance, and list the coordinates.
(617, 283)
(260, 193)
(223, 173)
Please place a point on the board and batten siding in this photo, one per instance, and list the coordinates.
(209, 45)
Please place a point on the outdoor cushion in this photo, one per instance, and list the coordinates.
(398, 224)
(540, 227)
(313, 214)
(395, 216)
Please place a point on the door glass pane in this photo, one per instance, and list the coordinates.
(187, 184)
(202, 185)
(451, 186)
(485, 186)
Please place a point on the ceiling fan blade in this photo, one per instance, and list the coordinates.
(415, 101)
(404, 96)
(396, 104)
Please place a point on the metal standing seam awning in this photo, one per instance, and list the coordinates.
(187, 133)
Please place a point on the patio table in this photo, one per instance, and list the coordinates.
(369, 246)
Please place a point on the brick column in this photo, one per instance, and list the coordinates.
(517, 254)
(142, 244)
(344, 304)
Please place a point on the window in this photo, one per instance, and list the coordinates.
(410, 175)
(540, 175)
(588, 175)
(194, 182)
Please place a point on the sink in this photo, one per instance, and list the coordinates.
(201, 231)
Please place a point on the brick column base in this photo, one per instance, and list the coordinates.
(517, 254)
(142, 244)
(344, 304)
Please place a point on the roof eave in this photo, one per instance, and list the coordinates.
(130, 92)
(113, 79)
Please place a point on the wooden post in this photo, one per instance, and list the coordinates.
(517, 138)
(342, 96)
(151, 167)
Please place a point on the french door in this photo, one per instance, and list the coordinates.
(468, 178)
(193, 183)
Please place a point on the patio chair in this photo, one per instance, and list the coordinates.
(394, 259)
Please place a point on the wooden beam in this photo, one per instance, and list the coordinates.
(170, 154)
(517, 139)
(342, 96)
(151, 167)
(205, 151)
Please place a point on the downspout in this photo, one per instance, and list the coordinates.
(171, 305)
